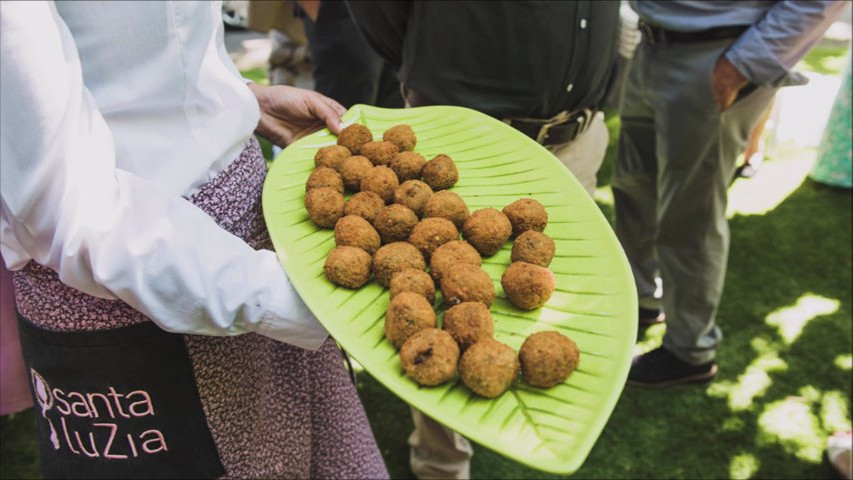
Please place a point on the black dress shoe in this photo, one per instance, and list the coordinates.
(651, 316)
(660, 368)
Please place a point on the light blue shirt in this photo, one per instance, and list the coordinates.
(781, 32)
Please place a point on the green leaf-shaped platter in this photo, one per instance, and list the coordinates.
(594, 304)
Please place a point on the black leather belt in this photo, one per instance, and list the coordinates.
(658, 35)
(563, 127)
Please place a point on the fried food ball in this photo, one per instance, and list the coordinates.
(407, 314)
(407, 165)
(468, 323)
(488, 368)
(402, 136)
(353, 170)
(533, 247)
(467, 283)
(430, 357)
(325, 177)
(332, 156)
(354, 136)
(487, 230)
(413, 280)
(449, 205)
(325, 206)
(431, 233)
(548, 358)
(354, 231)
(382, 181)
(526, 214)
(394, 223)
(440, 172)
(413, 194)
(528, 286)
(347, 266)
(393, 258)
(366, 205)
(379, 153)
(452, 253)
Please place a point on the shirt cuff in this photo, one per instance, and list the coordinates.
(289, 320)
(753, 58)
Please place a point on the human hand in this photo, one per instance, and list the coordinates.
(726, 81)
(289, 113)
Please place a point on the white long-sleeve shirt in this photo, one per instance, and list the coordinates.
(112, 113)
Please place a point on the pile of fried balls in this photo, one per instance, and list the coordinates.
(394, 230)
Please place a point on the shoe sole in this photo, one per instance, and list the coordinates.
(699, 378)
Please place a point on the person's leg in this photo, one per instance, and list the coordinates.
(583, 155)
(634, 185)
(437, 451)
(345, 68)
(696, 152)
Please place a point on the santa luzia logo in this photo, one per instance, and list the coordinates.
(101, 424)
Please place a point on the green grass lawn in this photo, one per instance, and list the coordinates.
(785, 364)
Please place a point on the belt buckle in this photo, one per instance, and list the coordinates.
(585, 119)
(558, 119)
(649, 33)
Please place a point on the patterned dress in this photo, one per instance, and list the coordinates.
(274, 410)
(834, 164)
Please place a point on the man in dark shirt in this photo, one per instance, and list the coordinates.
(543, 67)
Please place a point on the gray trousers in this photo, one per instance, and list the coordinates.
(676, 158)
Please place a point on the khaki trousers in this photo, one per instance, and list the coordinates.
(437, 451)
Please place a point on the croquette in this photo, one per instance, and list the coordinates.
(325, 206)
(533, 247)
(407, 165)
(413, 280)
(353, 170)
(354, 231)
(354, 136)
(430, 357)
(449, 205)
(379, 153)
(468, 323)
(440, 173)
(467, 283)
(431, 233)
(347, 266)
(393, 258)
(413, 194)
(332, 156)
(487, 230)
(366, 205)
(407, 314)
(526, 214)
(528, 286)
(394, 223)
(382, 181)
(452, 253)
(325, 177)
(548, 358)
(402, 136)
(488, 367)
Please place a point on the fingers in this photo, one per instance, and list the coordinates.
(327, 110)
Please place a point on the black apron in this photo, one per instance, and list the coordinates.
(119, 403)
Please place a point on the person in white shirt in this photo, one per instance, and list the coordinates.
(162, 338)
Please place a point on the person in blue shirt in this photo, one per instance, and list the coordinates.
(699, 82)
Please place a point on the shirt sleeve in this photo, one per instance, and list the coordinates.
(767, 51)
(108, 232)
